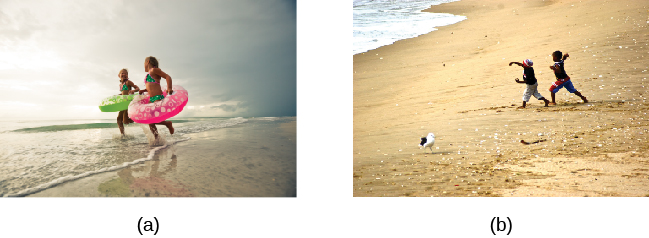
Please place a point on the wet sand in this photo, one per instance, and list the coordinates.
(456, 83)
(253, 159)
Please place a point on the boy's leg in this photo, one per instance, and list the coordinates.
(553, 102)
(521, 107)
(581, 96)
(545, 101)
(538, 95)
(555, 89)
(529, 91)
(572, 89)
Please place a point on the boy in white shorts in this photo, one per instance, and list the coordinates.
(530, 80)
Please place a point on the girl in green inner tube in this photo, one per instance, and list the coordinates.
(152, 84)
(126, 87)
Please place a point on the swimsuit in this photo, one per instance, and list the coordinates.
(124, 86)
(156, 98)
(148, 79)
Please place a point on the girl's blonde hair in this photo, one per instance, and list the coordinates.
(124, 69)
(152, 61)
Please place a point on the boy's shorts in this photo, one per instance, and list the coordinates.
(531, 90)
(568, 85)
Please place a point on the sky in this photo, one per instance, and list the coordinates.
(61, 58)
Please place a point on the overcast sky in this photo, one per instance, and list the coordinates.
(61, 58)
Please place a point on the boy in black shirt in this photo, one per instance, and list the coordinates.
(563, 80)
(530, 80)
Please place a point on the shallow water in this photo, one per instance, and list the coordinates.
(37, 154)
(252, 159)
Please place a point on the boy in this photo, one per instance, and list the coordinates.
(530, 80)
(562, 77)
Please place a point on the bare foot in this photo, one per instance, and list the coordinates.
(171, 128)
(552, 104)
(521, 107)
(585, 100)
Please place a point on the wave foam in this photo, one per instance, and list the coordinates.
(61, 180)
(189, 127)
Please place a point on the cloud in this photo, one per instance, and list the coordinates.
(220, 51)
(225, 107)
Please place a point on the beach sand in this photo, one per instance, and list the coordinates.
(456, 83)
(252, 159)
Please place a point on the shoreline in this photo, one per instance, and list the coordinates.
(456, 83)
(213, 163)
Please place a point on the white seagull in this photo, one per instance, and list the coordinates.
(428, 141)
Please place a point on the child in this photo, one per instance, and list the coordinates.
(562, 77)
(125, 86)
(152, 84)
(530, 80)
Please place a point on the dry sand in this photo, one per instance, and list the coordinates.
(456, 83)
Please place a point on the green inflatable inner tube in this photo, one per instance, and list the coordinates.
(115, 103)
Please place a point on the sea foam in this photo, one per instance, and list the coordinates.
(382, 22)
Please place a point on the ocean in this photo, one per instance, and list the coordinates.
(382, 22)
(39, 154)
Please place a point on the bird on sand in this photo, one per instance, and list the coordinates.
(428, 141)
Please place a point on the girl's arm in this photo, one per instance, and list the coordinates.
(135, 87)
(159, 72)
(519, 64)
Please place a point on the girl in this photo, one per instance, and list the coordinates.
(125, 88)
(152, 84)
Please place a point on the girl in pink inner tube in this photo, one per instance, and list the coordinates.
(152, 83)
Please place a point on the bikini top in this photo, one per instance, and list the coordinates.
(148, 79)
(123, 86)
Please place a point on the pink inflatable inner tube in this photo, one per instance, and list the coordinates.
(141, 110)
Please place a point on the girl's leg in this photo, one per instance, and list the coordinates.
(127, 120)
(169, 126)
(154, 130)
(119, 122)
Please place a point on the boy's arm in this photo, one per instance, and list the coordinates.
(519, 64)
(519, 81)
(565, 56)
(555, 68)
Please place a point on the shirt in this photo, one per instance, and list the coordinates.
(528, 75)
(562, 72)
